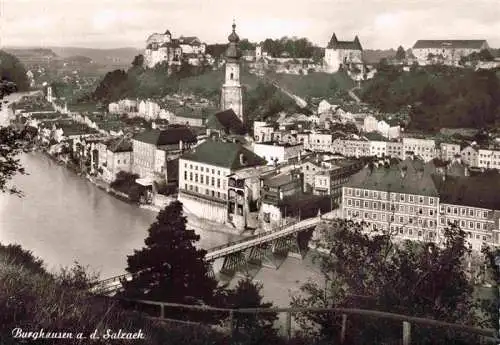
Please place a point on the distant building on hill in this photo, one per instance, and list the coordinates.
(342, 53)
(446, 51)
(163, 48)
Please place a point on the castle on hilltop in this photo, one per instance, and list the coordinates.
(162, 47)
(342, 54)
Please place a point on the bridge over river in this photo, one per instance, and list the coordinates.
(266, 249)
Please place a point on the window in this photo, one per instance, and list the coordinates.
(375, 206)
(201, 169)
(349, 191)
(401, 220)
(218, 195)
(201, 178)
(478, 225)
(218, 183)
(213, 193)
(349, 202)
(402, 197)
(190, 166)
(471, 225)
(471, 213)
(431, 201)
(207, 179)
(118, 161)
(421, 199)
(485, 214)
(349, 213)
(213, 181)
(375, 194)
(213, 171)
(218, 172)
(185, 175)
(190, 176)
(382, 206)
(366, 194)
(357, 192)
(366, 204)
(484, 238)
(356, 203)
(374, 216)
(410, 198)
(431, 212)
(455, 210)
(196, 178)
(462, 223)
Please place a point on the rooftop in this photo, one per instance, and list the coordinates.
(233, 156)
(169, 136)
(409, 177)
(476, 191)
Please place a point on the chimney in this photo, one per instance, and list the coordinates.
(403, 172)
(181, 144)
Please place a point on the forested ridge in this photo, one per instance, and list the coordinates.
(437, 96)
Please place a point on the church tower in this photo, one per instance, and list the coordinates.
(232, 95)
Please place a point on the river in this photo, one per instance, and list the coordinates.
(64, 218)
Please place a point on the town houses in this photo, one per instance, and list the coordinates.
(259, 175)
(413, 200)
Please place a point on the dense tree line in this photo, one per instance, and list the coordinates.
(438, 96)
(371, 271)
(294, 47)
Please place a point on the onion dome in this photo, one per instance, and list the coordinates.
(233, 38)
(233, 51)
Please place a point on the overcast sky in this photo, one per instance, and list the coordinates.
(127, 23)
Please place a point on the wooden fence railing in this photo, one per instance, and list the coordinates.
(344, 313)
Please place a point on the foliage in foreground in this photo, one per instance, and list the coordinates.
(369, 271)
(10, 148)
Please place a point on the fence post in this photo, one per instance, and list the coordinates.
(344, 328)
(231, 322)
(288, 326)
(406, 333)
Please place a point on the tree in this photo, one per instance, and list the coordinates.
(250, 328)
(12, 70)
(369, 271)
(170, 268)
(400, 54)
(10, 147)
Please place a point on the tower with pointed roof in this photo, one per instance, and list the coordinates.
(232, 94)
(342, 53)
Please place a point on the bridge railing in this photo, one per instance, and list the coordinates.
(406, 322)
(262, 234)
(103, 284)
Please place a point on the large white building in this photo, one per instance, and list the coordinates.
(446, 51)
(204, 174)
(277, 153)
(413, 202)
(163, 48)
(424, 148)
(342, 53)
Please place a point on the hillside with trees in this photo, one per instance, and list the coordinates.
(437, 96)
(12, 70)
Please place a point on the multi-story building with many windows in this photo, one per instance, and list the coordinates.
(203, 176)
(153, 148)
(414, 202)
